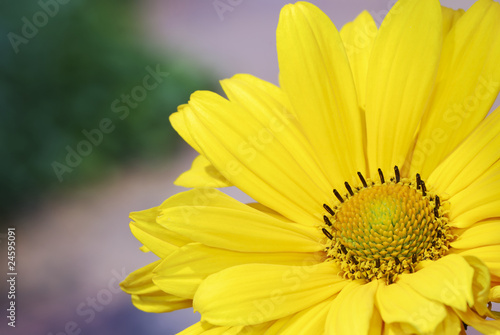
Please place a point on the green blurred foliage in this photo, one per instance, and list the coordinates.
(64, 79)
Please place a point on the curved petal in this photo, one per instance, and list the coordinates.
(448, 280)
(356, 299)
(156, 238)
(467, 83)
(309, 321)
(315, 74)
(488, 255)
(210, 217)
(147, 297)
(481, 285)
(256, 293)
(421, 315)
(478, 235)
(479, 201)
(202, 174)
(401, 71)
(183, 271)
(471, 159)
(358, 37)
(480, 324)
(261, 156)
(450, 18)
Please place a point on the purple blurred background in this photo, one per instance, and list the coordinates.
(70, 261)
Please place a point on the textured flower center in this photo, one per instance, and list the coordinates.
(381, 229)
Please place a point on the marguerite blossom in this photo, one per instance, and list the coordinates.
(375, 168)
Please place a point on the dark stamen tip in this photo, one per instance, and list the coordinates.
(363, 181)
(382, 180)
(396, 172)
(327, 221)
(328, 209)
(344, 250)
(327, 233)
(337, 194)
(349, 189)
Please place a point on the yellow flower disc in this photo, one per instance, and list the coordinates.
(383, 229)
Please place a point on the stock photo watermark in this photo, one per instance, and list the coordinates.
(11, 276)
(121, 108)
(89, 308)
(30, 27)
(224, 6)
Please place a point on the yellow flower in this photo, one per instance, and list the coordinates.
(393, 121)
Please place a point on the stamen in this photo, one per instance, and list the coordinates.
(377, 263)
(327, 221)
(328, 209)
(437, 202)
(397, 261)
(349, 189)
(382, 180)
(327, 233)
(419, 181)
(338, 195)
(396, 172)
(344, 250)
(363, 181)
(423, 188)
(414, 258)
(353, 259)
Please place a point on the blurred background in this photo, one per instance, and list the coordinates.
(86, 88)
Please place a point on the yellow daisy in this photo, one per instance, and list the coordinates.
(376, 175)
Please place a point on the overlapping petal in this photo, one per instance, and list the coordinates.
(315, 74)
(401, 72)
(255, 293)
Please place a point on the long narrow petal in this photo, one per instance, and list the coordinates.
(480, 324)
(467, 84)
(488, 255)
(256, 293)
(309, 321)
(315, 74)
(478, 235)
(448, 280)
(356, 299)
(183, 271)
(215, 219)
(202, 174)
(259, 156)
(358, 37)
(147, 297)
(479, 201)
(471, 159)
(401, 72)
(450, 18)
(156, 238)
(421, 315)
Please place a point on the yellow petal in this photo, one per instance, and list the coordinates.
(178, 121)
(309, 321)
(449, 280)
(352, 310)
(467, 84)
(401, 74)
(156, 238)
(146, 296)
(183, 271)
(481, 285)
(315, 74)
(261, 156)
(203, 328)
(202, 174)
(479, 201)
(399, 303)
(480, 324)
(358, 37)
(471, 159)
(451, 325)
(256, 293)
(479, 234)
(450, 18)
(488, 255)
(495, 294)
(215, 219)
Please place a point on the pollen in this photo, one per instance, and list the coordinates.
(380, 229)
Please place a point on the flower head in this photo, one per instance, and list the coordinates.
(376, 175)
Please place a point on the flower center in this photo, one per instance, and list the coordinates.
(381, 229)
